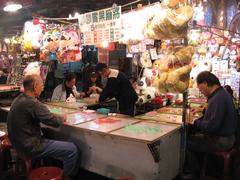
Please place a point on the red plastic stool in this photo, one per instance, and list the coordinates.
(226, 156)
(5, 146)
(124, 178)
(46, 173)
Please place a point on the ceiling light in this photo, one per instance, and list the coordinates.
(12, 7)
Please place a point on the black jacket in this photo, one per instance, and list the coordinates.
(119, 86)
(219, 118)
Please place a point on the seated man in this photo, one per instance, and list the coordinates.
(63, 91)
(215, 130)
(24, 129)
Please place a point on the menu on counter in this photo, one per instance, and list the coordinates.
(80, 117)
(107, 124)
(146, 130)
(71, 105)
(59, 110)
(161, 117)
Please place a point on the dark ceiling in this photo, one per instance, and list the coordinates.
(12, 23)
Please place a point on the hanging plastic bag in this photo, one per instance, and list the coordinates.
(168, 23)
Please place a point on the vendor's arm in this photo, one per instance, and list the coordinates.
(109, 90)
(98, 89)
(45, 116)
(76, 93)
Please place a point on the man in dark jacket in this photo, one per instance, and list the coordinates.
(215, 130)
(24, 129)
(118, 86)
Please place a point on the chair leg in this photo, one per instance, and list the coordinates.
(204, 167)
(226, 164)
(1, 165)
(17, 169)
(22, 165)
(28, 164)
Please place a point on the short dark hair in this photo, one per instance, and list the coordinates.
(228, 89)
(29, 82)
(100, 67)
(208, 77)
(70, 76)
(93, 74)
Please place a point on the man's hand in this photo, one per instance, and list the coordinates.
(190, 120)
(62, 116)
(82, 94)
(194, 111)
(97, 100)
(93, 89)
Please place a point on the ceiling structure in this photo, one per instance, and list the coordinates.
(12, 23)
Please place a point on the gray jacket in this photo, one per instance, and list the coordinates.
(59, 93)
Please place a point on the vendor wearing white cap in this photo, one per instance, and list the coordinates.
(119, 87)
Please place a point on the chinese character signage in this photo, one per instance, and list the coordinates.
(100, 26)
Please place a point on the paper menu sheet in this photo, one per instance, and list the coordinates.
(170, 110)
(107, 124)
(59, 110)
(161, 117)
(80, 117)
(146, 130)
(72, 105)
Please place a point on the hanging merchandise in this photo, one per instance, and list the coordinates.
(140, 47)
(100, 26)
(133, 24)
(145, 60)
(147, 93)
(50, 44)
(61, 43)
(32, 69)
(168, 23)
(174, 70)
(194, 37)
(33, 35)
(69, 46)
(172, 3)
